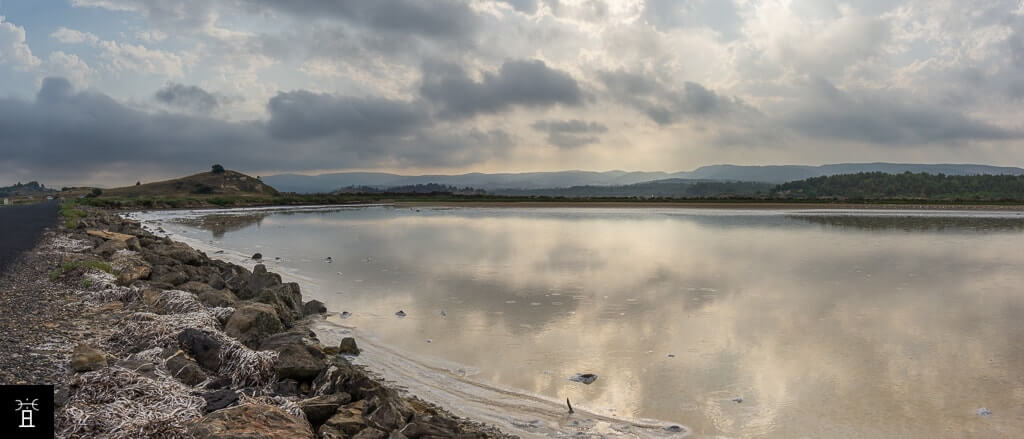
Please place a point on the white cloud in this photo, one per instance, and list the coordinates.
(13, 48)
(151, 36)
(71, 36)
(69, 66)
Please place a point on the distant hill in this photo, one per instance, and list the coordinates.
(24, 190)
(905, 186)
(566, 179)
(205, 183)
(666, 188)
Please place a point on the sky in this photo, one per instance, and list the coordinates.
(108, 92)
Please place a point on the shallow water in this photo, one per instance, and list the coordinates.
(733, 323)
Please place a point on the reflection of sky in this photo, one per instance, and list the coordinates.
(825, 328)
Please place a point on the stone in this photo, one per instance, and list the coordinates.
(370, 433)
(185, 370)
(216, 281)
(348, 346)
(108, 248)
(217, 298)
(387, 412)
(250, 421)
(313, 307)
(430, 426)
(172, 278)
(259, 280)
(348, 419)
(585, 378)
(195, 287)
(252, 322)
(132, 273)
(201, 346)
(257, 256)
(235, 278)
(86, 358)
(287, 387)
(285, 298)
(299, 361)
(219, 399)
(319, 409)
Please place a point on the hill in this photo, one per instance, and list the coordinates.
(25, 190)
(905, 186)
(566, 179)
(206, 183)
(666, 188)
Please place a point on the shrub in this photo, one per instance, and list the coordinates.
(217, 169)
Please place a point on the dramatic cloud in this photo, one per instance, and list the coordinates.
(665, 105)
(570, 133)
(516, 83)
(305, 115)
(446, 19)
(188, 97)
(13, 48)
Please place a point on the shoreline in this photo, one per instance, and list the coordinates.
(151, 353)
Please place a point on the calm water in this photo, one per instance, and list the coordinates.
(826, 325)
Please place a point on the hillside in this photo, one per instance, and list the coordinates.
(205, 183)
(666, 188)
(566, 179)
(881, 186)
(24, 190)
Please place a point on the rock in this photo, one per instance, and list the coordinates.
(259, 280)
(215, 281)
(313, 307)
(585, 378)
(345, 314)
(236, 278)
(331, 350)
(430, 426)
(285, 298)
(195, 287)
(400, 313)
(252, 322)
(370, 433)
(387, 412)
(300, 360)
(675, 429)
(132, 273)
(984, 412)
(320, 408)
(185, 370)
(257, 256)
(219, 383)
(217, 298)
(184, 254)
(86, 358)
(172, 278)
(108, 248)
(143, 367)
(250, 421)
(201, 346)
(286, 387)
(219, 399)
(737, 400)
(348, 346)
(347, 420)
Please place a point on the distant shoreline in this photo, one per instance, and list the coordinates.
(714, 205)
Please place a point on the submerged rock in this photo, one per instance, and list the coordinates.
(314, 307)
(400, 313)
(984, 412)
(348, 346)
(585, 378)
(675, 429)
(257, 256)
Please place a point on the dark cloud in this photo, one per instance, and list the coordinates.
(664, 105)
(570, 133)
(188, 97)
(69, 136)
(448, 19)
(831, 113)
(522, 83)
(305, 115)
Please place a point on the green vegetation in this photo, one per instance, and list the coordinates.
(217, 169)
(70, 214)
(906, 186)
(84, 265)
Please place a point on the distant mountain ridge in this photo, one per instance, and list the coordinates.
(564, 179)
(27, 189)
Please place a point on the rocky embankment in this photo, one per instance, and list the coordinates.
(159, 340)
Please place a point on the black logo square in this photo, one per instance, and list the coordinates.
(26, 411)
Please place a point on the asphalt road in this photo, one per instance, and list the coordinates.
(21, 227)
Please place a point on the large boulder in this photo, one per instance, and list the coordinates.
(252, 322)
(348, 346)
(235, 278)
(260, 279)
(250, 421)
(86, 358)
(285, 298)
(217, 298)
(370, 433)
(300, 358)
(201, 346)
(219, 399)
(195, 287)
(430, 426)
(313, 307)
(387, 412)
(185, 370)
(181, 253)
(108, 248)
(169, 277)
(320, 408)
(348, 420)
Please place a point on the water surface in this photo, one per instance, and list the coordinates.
(823, 324)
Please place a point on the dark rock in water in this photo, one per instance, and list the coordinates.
(314, 307)
(387, 413)
(219, 252)
(585, 378)
(185, 370)
(400, 313)
(219, 399)
(287, 387)
(204, 348)
(984, 412)
(345, 314)
(250, 421)
(252, 322)
(319, 409)
(86, 358)
(257, 256)
(737, 400)
(348, 346)
(430, 426)
(675, 429)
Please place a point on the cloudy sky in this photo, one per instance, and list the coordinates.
(112, 91)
